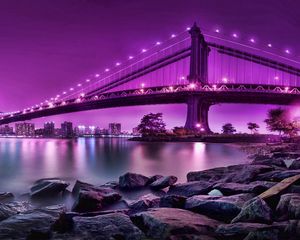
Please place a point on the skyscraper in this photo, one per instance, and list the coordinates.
(114, 128)
(49, 129)
(67, 129)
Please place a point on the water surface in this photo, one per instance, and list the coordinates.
(98, 160)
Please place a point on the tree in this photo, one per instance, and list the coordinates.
(278, 121)
(152, 124)
(252, 127)
(228, 128)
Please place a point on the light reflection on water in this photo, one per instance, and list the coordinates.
(22, 161)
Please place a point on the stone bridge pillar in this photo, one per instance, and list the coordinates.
(197, 114)
(199, 57)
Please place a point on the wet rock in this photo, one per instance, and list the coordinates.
(256, 210)
(215, 192)
(285, 154)
(221, 208)
(278, 175)
(143, 203)
(241, 230)
(91, 198)
(110, 226)
(111, 184)
(190, 188)
(154, 178)
(295, 164)
(6, 196)
(163, 182)
(244, 173)
(278, 162)
(20, 226)
(172, 201)
(10, 209)
(48, 188)
(237, 188)
(170, 223)
(132, 180)
(36, 234)
(289, 206)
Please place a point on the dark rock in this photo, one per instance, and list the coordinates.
(9, 209)
(289, 206)
(21, 226)
(277, 175)
(132, 180)
(6, 196)
(163, 182)
(190, 237)
(269, 162)
(221, 208)
(48, 188)
(91, 198)
(295, 165)
(111, 226)
(270, 234)
(237, 173)
(240, 230)
(36, 234)
(153, 179)
(111, 184)
(172, 201)
(169, 223)
(256, 210)
(190, 188)
(143, 203)
(237, 188)
(286, 154)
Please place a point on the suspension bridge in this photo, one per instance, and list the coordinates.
(192, 68)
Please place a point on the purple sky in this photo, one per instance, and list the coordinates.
(47, 46)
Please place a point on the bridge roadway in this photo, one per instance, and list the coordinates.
(211, 94)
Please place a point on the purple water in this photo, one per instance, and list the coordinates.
(98, 160)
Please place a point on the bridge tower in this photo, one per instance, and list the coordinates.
(197, 107)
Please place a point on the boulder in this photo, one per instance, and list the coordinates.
(278, 175)
(91, 198)
(289, 206)
(6, 196)
(111, 184)
(163, 182)
(170, 223)
(255, 210)
(256, 187)
(278, 162)
(190, 188)
(268, 234)
(132, 180)
(221, 208)
(243, 173)
(172, 201)
(286, 154)
(22, 226)
(241, 230)
(295, 164)
(143, 203)
(48, 188)
(109, 226)
(9, 209)
(154, 178)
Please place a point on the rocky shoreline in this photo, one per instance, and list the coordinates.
(258, 200)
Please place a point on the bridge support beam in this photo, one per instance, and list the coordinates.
(197, 114)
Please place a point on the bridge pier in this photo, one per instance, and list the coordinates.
(197, 114)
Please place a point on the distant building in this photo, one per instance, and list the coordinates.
(49, 129)
(67, 129)
(6, 130)
(24, 129)
(114, 128)
(79, 130)
(135, 131)
(39, 132)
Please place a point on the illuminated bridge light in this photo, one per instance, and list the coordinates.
(171, 88)
(130, 57)
(79, 85)
(286, 89)
(173, 35)
(214, 86)
(82, 95)
(78, 100)
(225, 80)
(192, 85)
(182, 78)
(252, 40)
(97, 75)
(188, 28)
(142, 85)
(217, 30)
(144, 50)
(71, 89)
(50, 105)
(158, 43)
(269, 45)
(198, 125)
(64, 93)
(57, 95)
(63, 103)
(106, 69)
(235, 35)
(276, 78)
(87, 80)
(118, 64)
(287, 51)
